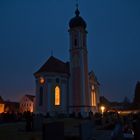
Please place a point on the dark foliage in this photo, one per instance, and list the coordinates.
(136, 101)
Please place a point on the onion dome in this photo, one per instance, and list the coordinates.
(77, 21)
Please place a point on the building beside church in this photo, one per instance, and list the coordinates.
(11, 107)
(67, 87)
(1, 105)
(27, 103)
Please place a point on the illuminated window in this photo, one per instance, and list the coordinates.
(93, 98)
(41, 96)
(57, 95)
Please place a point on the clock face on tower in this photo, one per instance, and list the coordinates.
(41, 80)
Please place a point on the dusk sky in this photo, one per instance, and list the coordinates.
(30, 29)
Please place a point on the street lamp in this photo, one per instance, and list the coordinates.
(102, 109)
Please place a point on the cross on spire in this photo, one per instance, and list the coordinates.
(77, 12)
(77, 5)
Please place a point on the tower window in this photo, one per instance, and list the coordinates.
(57, 80)
(75, 42)
(41, 96)
(57, 95)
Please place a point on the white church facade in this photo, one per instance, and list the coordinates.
(68, 87)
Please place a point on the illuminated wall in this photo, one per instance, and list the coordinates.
(1, 108)
(26, 104)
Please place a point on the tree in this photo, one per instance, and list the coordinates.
(126, 103)
(136, 101)
(126, 100)
(104, 101)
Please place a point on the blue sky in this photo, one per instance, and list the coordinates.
(30, 29)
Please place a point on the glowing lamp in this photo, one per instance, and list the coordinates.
(102, 109)
(42, 80)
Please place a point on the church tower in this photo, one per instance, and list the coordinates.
(79, 94)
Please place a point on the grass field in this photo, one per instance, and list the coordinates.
(15, 131)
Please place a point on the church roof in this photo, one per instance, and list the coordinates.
(92, 75)
(54, 65)
(31, 97)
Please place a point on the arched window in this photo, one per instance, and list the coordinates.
(57, 95)
(93, 98)
(41, 96)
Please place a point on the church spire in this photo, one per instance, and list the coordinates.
(77, 4)
(77, 12)
(77, 21)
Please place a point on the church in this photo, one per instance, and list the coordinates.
(68, 87)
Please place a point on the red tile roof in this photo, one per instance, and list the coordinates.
(54, 65)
